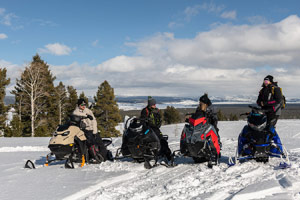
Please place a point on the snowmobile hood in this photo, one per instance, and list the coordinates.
(196, 122)
(65, 137)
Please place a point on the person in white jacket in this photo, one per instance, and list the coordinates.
(94, 140)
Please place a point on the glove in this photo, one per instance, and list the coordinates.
(90, 117)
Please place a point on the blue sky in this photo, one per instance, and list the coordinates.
(153, 47)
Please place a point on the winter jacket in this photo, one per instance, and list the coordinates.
(91, 125)
(152, 116)
(271, 101)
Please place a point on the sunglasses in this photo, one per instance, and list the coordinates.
(82, 104)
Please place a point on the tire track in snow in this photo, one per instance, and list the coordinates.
(107, 183)
(144, 186)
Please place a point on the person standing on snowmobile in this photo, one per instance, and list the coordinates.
(270, 99)
(205, 109)
(152, 117)
(94, 140)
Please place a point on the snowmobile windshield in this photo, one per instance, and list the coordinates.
(62, 127)
(74, 119)
(136, 126)
(257, 121)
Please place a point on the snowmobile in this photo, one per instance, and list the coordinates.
(199, 140)
(139, 142)
(258, 142)
(68, 143)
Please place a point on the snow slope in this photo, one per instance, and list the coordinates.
(128, 180)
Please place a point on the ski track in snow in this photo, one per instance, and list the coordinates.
(123, 179)
(23, 148)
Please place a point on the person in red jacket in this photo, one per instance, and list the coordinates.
(270, 98)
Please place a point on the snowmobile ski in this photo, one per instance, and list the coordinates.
(29, 165)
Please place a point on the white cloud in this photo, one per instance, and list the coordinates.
(56, 49)
(2, 11)
(125, 64)
(280, 70)
(192, 11)
(13, 71)
(3, 36)
(226, 60)
(229, 14)
(95, 43)
(175, 24)
(257, 19)
(6, 18)
(43, 22)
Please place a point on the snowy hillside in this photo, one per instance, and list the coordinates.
(128, 180)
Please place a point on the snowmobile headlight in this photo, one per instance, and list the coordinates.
(66, 133)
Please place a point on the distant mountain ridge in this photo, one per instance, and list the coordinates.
(171, 100)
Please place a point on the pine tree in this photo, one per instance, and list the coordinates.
(233, 117)
(15, 128)
(106, 110)
(61, 101)
(171, 115)
(221, 116)
(36, 98)
(71, 101)
(3, 109)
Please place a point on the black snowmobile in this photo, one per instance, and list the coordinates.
(139, 143)
(68, 143)
(258, 142)
(200, 141)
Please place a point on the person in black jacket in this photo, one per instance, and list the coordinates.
(205, 109)
(270, 98)
(152, 117)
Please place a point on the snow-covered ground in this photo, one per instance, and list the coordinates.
(128, 180)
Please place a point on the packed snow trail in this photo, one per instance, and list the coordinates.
(125, 179)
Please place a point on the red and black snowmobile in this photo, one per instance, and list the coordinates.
(199, 140)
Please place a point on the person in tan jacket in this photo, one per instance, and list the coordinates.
(89, 118)
(94, 140)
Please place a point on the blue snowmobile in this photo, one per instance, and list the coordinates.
(259, 142)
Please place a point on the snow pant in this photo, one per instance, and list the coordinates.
(164, 146)
(271, 120)
(95, 139)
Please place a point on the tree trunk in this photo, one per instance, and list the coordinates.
(59, 112)
(32, 114)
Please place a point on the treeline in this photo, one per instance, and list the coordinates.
(171, 115)
(40, 106)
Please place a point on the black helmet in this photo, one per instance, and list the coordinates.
(269, 78)
(81, 101)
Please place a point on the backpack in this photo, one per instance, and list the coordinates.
(283, 101)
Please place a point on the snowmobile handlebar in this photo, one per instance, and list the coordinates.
(247, 113)
(255, 109)
(258, 109)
